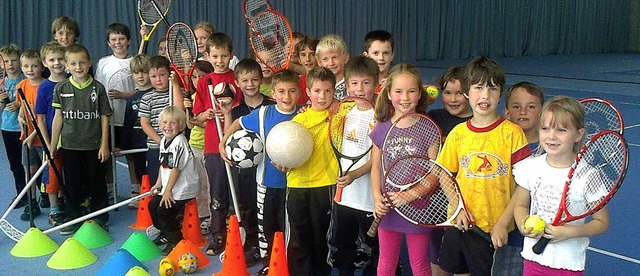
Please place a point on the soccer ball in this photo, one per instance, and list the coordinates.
(224, 93)
(244, 149)
(289, 144)
(188, 263)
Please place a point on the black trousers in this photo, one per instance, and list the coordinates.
(13, 147)
(271, 218)
(165, 219)
(84, 179)
(219, 191)
(309, 211)
(348, 225)
(245, 180)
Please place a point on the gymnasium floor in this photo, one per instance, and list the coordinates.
(615, 77)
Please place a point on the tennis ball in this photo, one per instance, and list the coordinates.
(433, 92)
(535, 223)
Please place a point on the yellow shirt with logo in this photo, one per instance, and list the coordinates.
(483, 159)
(322, 167)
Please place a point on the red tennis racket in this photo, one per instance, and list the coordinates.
(151, 12)
(182, 51)
(350, 123)
(251, 8)
(593, 179)
(601, 115)
(411, 135)
(3, 76)
(271, 39)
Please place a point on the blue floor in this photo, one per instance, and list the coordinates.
(615, 77)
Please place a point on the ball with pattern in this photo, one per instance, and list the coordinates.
(188, 263)
(244, 149)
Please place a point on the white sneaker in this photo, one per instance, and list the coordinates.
(205, 226)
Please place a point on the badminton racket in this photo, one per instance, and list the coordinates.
(350, 123)
(151, 12)
(593, 179)
(3, 76)
(600, 115)
(271, 39)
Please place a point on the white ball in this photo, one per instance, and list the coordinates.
(289, 144)
(244, 149)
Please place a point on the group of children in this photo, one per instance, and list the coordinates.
(491, 155)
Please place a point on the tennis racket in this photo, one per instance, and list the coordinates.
(3, 76)
(182, 51)
(271, 39)
(594, 177)
(151, 12)
(412, 134)
(350, 123)
(426, 194)
(600, 115)
(252, 8)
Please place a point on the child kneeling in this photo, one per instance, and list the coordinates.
(177, 181)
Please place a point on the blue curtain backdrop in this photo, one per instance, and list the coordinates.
(424, 29)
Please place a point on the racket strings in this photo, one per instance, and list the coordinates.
(182, 48)
(121, 80)
(351, 128)
(271, 39)
(597, 175)
(411, 135)
(253, 8)
(149, 13)
(600, 116)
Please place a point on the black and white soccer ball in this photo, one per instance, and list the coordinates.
(244, 149)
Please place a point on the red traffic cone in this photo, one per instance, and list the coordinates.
(234, 263)
(143, 219)
(278, 263)
(191, 225)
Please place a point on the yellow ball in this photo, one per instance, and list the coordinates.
(166, 267)
(535, 223)
(432, 92)
(188, 263)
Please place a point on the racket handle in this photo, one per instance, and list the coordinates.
(338, 196)
(373, 230)
(484, 235)
(539, 247)
(144, 46)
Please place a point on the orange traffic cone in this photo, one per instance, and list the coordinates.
(143, 219)
(191, 225)
(234, 263)
(278, 263)
(185, 246)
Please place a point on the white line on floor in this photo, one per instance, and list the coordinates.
(611, 254)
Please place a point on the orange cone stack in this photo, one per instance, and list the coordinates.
(143, 219)
(278, 263)
(191, 225)
(234, 263)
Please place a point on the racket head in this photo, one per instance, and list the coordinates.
(148, 13)
(121, 80)
(357, 113)
(601, 115)
(411, 134)
(271, 39)
(182, 50)
(595, 176)
(3, 73)
(251, 8)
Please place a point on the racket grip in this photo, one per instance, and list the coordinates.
(539, 247)
(338, 196)
(144, 46)
(373, 230)
(482, 234)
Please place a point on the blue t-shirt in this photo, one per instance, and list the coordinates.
(43, 102)
(392, 220)
(273, 178)
(10, 118)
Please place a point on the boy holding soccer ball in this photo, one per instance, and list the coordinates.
(248, 76)
(271, 183)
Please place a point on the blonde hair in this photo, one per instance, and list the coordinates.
(331, 42)
(205, 26)
(51, 47)
(175, 113)
(31, 54)
(10, 50)
(64, 22)
(140, 63)
(384, 108)
(566, 112)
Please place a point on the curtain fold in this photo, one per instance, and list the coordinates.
(423, 30)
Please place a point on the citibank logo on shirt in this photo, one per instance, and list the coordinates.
(483, 165)
(80, 115)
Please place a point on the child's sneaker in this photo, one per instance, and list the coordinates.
(135, 191)
(252, 256)
(263, 272)
(205, 226)
(56, 219)
(168, 249)
(216, 246)
(44, 200)
(34, 211)
(69, 230)
(160, 240)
